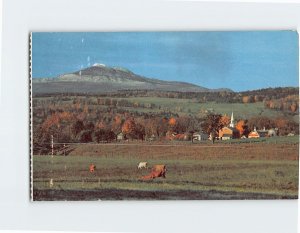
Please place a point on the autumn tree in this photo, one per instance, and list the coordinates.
(89, 126)
(248, 99)
(129, 128)
(225, 120)
(41, 140)
(242, 127)
(117, 124)
(183, 124)
(77, 127)
(150, 127)
(85, 136)
(104, 135)
(162, 126)
(261, 122)
(172, 123)
(212, 125)
(51, 121)
(140, 131)
(58, 125)
(286, 126)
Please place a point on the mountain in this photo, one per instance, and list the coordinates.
(100, 79)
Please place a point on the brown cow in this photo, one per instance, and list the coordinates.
(148, 177)
(92, 168)
(157, 171)
(161, 168)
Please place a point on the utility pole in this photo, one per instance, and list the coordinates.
(52, 152)
(51, 172)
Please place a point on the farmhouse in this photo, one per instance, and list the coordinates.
(120, 136)
(200, 136)
(263, 132)
(272, 132)
(152, 138)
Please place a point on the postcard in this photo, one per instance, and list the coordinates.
(164, 115)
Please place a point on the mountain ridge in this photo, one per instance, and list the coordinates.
(100, 78)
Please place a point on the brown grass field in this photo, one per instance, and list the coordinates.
(262, 170)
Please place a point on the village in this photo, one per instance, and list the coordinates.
(226, 132)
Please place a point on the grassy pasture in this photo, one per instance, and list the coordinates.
(190, 106)
(199, 171)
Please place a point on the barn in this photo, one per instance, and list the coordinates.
(200, 136)
(253, 134)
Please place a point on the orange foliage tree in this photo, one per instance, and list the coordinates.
(225, 120)
(56, 119)
(248, 99)
(129, 128)
(172, 121)
(240, 126)
(117, 124)
(58, 125)
(281, 122)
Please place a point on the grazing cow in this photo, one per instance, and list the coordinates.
(157, 171)
(92, 168)
(148, 177)
(161, 169)
(142, 165)
(151, 176)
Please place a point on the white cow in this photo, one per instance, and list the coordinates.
(142, 165)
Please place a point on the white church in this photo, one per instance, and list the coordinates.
(229, 132)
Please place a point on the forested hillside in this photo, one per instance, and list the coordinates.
(143, 114)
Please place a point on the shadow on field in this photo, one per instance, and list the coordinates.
(117, 194)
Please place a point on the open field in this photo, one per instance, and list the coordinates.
(186, 106)
(262, 170)
(189, 106)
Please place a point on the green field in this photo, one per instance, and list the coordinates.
(191, 106)
(249, 171)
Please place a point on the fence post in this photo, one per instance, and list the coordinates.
(52, 146)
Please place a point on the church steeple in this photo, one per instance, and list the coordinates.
(231, 120)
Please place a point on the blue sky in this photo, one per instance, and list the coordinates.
(237, 60)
